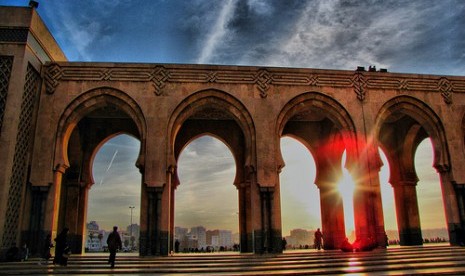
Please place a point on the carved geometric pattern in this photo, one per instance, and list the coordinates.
(263, 79)
(6, 63)
(158, 77)
(20, 159)
(52, 76)
(403, 85)
(445, 87)
(13, 35)
(313, 80)
(359, 84)
(212, 76)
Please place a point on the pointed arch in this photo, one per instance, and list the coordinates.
(423, 115)
(88, 102)
(219, 100)
(328, 107)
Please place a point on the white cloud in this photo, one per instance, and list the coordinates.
(217, 32)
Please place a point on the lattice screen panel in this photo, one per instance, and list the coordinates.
(6, 63)
(20, 161)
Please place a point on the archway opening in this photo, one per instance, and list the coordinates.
(429, 193)
(114, 199)
(300, 198)
(387, 199)
(206, 201)
(346, 189)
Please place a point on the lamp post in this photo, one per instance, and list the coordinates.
(132, 240)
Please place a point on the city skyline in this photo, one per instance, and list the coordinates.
(401, 36)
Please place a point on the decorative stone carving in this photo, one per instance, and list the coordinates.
(52, 77)
(159, 76)
(445, 87)
(358, 82)
(263, 79)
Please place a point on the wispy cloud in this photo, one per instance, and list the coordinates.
(218, 31)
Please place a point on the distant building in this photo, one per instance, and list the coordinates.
(300, 238)
(94, 237)
(133, 230)
(218, 238)
(225, 238)
(200, 233)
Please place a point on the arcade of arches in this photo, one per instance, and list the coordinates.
(79, 106)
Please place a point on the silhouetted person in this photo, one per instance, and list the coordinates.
(318, 239)
(284, 244)
(61, 248)
(24, 253)
(176, 246)
(114, 243)
(45, 254)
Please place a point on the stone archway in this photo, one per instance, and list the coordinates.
(219, 114)
(326, 128)
(89, 121)
(206, 199)
(402, 123)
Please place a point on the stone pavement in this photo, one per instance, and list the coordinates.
(426, 260)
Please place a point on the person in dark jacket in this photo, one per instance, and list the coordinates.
(46, 250)
(318, 239)
(61, 248)
(114, 243)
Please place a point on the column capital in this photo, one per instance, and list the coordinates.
(157, 189)
(41, 189)
(266, 189)
(408, 182)
(61, 168)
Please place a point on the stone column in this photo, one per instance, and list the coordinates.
(408, 217)
(368, 208)
(460, 232)
(377, 231)
(245, 218)
(53, 202)
(82, 215)
(37, 232)
(72, 215)
(154, 241)
(171, 222)
(268, 239)
(451, 198)
(266, 217)
(332, 215)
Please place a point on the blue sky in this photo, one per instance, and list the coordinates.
(419, 36)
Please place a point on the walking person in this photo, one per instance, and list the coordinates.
(318, 239)
(61, 248)
(46, 250)
(114, 243)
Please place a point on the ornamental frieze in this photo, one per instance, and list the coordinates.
(262, 78)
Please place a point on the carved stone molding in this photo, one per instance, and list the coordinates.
(52, 77)
(359, 84)
(262, 78)
(445, 87)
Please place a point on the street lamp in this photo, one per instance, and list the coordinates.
(132, 240)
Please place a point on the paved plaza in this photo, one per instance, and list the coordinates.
(421, 260)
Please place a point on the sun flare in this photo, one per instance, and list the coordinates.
(346, 189)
